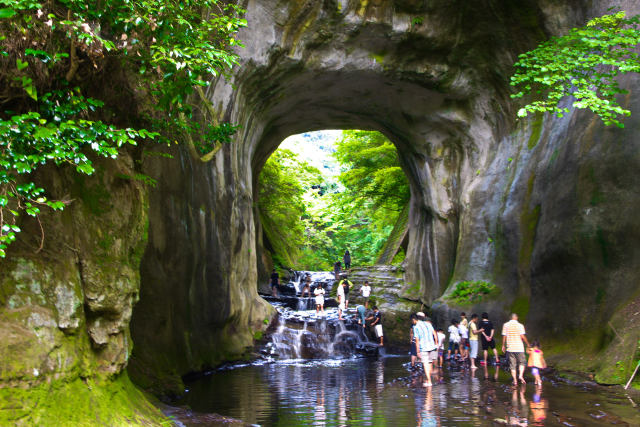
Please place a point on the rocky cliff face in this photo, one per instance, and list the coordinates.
(543, 208)
(540, 207)
(66, 305)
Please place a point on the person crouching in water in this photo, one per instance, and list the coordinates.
(426, 345)
(376, 322)
(319, 293)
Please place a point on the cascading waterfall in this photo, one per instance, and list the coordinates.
(302, 333)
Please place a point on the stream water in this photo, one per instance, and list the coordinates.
(318, 371)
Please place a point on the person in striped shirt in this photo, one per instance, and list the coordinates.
(513, 340)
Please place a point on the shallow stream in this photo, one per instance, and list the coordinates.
(319, 371)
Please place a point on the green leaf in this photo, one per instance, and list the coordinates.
(21, 65)
(7, 13)
(29, 87)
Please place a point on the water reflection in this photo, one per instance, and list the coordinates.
(539, 407)
(426, 413)
(383, 391)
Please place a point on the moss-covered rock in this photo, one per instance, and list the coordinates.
(387, 293)
(65, 308)
(80, 402)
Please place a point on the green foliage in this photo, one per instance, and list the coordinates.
(281, 186)
(52, 57)
(467, 292)
(583, 64)
(371, 175)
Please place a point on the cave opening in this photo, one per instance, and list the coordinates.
(323, 192)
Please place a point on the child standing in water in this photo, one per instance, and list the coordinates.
(536, 361)
(319, 293)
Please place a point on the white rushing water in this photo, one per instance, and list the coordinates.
(305, 334)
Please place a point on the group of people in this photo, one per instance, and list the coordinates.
(465, 337)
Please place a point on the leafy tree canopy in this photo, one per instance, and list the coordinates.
(57, 58)
(583, 64)
(371, 171)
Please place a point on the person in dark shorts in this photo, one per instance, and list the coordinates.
(275, 281)
(376, 322)
(487, 332)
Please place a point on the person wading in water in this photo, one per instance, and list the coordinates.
(514, 340)
(487, 338)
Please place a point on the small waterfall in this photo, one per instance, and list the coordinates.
(302, 335)
(297, 280)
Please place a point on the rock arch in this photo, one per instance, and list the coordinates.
(492, 198)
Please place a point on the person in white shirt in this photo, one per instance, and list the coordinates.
(340, 295)
(365, 290)
(319, 293)
(464, 339)
(454, 339)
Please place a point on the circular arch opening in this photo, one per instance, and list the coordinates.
(323, 192)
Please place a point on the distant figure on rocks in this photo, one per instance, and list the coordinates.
(347, 287)
(487, 338)
(340, 295)
(347, 259)
(365, 290)
(376, 322)
(307, 286)
(319, 293)
(275, 281)
(336, 269)
(514, 340)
